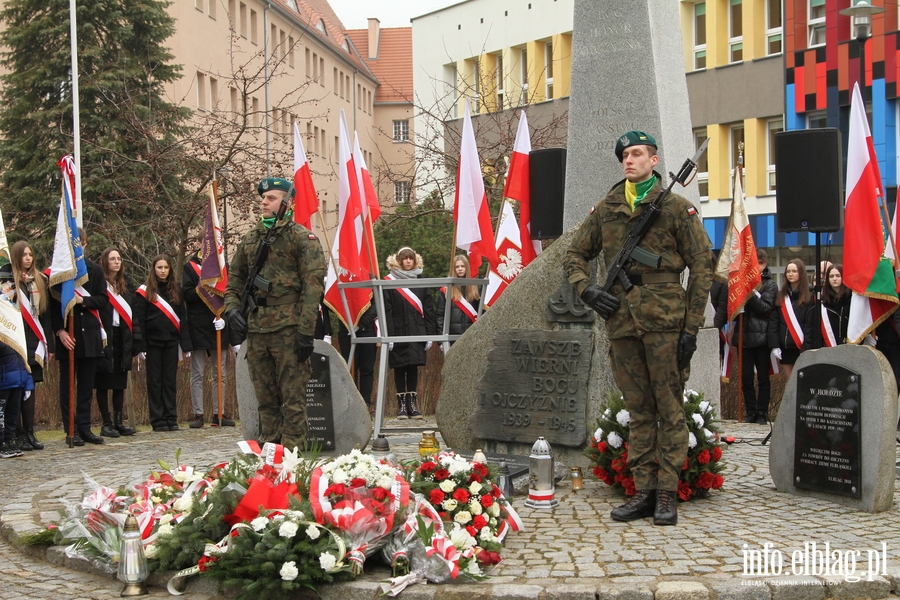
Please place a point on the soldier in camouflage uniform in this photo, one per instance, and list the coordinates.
(652, 329)
(280, 331)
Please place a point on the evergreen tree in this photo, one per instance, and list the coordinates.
(129, 173)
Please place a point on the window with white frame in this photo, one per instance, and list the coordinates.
(401, 192)
(401, 130)
(736, 138)
(500, 79)
(774, 26)
(202, 92)
(774, 126)
(523, 76)
(699, 36)
(702, 165)
(548, 69)
(815, 22)
(735, 31)
(816, 119)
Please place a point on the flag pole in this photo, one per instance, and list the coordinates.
(738, 173)
(219, 374)
(76, 119)
(335, 266)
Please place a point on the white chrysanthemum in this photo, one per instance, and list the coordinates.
(458, 466)
(692, 440)
(289, 571)
(698, 419)
(475, 506)
(259, 523)
(475, 487)
(385, 482)
(598, 435)
(614, 440)
(705, 406)
(691, 393)
(182, 504)
(447, 486)
(165, 529)
(623, 417)
(461, 538)
(463, 517)
(312, 532)
(288, 529)
(449, 504)
(150, 551)
(709, 435)
(166, 518)
(327, 561)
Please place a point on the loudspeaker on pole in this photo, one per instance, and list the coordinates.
(809, 177)
(547, 181)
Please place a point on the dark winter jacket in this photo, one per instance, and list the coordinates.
(199, 316)
(839, 316)
(13, 373)
(459, 321)
(123, 342)
(404, 319)
(756, 315)
(156, 328)
(778, 334)
(88, 338)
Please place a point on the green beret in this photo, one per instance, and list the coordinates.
(633, 138)
(273, 183)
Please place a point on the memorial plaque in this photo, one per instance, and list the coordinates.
(319, 412)
(535, 384)
(827, 430)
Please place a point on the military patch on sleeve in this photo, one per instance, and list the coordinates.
(691, 211)
(312, 236)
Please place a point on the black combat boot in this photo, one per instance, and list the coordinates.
(412, 409)
(29, 435)
(123, 429)
(638, 506)
(401, 406)
(666, 508)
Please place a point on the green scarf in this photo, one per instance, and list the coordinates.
(268, 222)
(635, 192)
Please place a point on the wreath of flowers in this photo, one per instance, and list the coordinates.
(608, 448)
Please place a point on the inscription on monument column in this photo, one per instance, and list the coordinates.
(319, 410)
(535, 385)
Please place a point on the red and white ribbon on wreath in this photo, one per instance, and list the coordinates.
(444, 549)
(270, 452)
(407, 293)
(790, 319)
(513, 521)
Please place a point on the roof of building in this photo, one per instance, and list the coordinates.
(393, 65)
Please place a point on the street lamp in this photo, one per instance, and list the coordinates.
(860, 14)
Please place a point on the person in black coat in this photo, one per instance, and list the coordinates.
(122, 330)
(202, 325)
(88, 346)
(161, 315)
(365, 354)
(464, 307)
(32, 296)
(836, 304)
(409, 311)
(795, 296)
(751, 331)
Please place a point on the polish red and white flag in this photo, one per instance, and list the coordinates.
(306, 202)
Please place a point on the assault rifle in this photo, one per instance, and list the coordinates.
(255, 281)
(630, 250)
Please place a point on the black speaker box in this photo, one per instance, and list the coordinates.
(547, 181)
(809, 175)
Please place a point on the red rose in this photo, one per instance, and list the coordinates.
(717, 453)
(379, 494)
(687, 465)
(618, 465)
(684, 490)
(704, 481)
(474, 477)
(436, 497)
(427, 467)
(602, 447)
(472, 531)
(604, 476)
(703, 457)
(335, 489)
(461, 495)
(496, 492)
(486, 500)
(479, 522)
(441, 474)
(628, 484)
(718, 480)
(205, 561)
(485, 557)
(357, 482)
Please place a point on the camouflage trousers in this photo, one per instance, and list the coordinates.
(646, 372)
(279, 380)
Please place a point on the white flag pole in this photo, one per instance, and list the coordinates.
(76, 122)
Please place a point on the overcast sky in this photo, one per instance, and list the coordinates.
(392, 13)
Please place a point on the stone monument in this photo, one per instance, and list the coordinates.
(834, 435)
(337, 416)
(627, 73)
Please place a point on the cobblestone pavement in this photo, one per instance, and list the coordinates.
(574, 551)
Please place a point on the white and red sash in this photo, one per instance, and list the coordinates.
(86, 294)
(163, 306)
(464, 306)
(40, 353)
(408, 295)
(121, 309)
(828, 338)
(790, 319)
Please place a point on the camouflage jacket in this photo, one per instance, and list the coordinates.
(295, 266)
(680, 239)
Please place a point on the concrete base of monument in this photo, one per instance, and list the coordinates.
(338, 419)
(557, 377)
(835, 434)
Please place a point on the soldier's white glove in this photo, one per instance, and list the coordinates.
(187, 355)
(326, 339)
(776, 352)
(219, 324)
(236, 348)
(427, 346)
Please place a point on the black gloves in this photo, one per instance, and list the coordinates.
(687, 345)
(237, 322)
(604, 303)
(303, 345)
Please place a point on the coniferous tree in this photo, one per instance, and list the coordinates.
(129, 173)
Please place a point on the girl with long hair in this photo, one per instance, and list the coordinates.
(835, 306)
(161, 317)
(791, 322)
(464, 300)
(121, 349)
